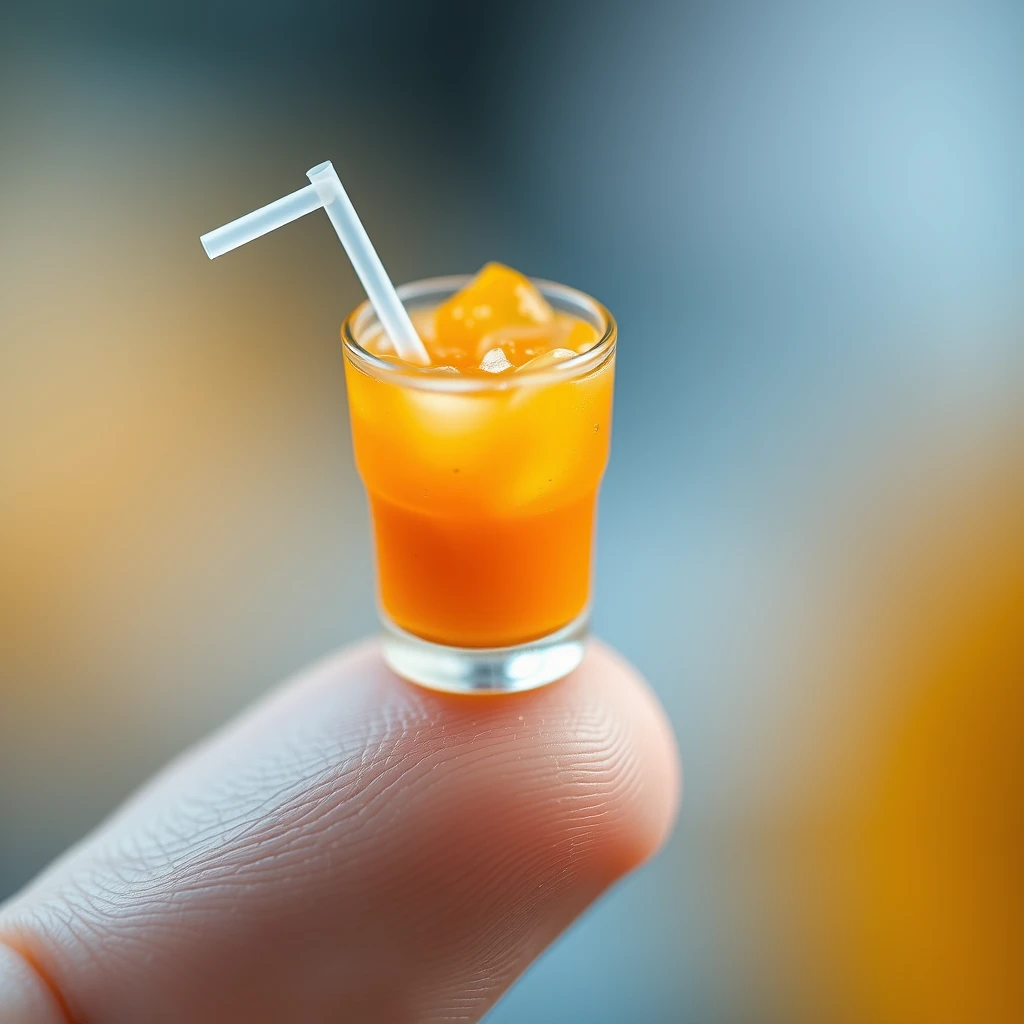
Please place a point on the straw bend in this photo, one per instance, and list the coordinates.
(326, 192)
(379, 289)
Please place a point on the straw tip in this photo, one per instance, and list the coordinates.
(326, 182)
(320, 168)
(207, 242)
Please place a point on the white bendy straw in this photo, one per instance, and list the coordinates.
(327, 192)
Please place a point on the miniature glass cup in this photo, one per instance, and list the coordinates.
(483, 492)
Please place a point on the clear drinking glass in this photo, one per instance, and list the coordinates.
(483, 492)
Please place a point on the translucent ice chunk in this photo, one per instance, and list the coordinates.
(519, 343)
(495, 361)
(556, 355)
(524, 343)
(439, 415)
(498, 297)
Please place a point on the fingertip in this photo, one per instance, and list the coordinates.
(605, 712)
(356, 840)
(648, 810)
(594, 752)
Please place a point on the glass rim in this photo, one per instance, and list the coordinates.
(424, 378)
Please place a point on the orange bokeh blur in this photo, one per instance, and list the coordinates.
(932, 920)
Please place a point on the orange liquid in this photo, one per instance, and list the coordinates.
(482, 503)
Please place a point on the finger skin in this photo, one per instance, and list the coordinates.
(25, 997)
(356, 848)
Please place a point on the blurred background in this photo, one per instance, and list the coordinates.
(808, 219)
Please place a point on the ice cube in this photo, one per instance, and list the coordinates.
(545, 359)
(530, 303)
(495, 361)
(519, 344)
(526, 392)
(524, 343)
(442, 416)
(497, 297)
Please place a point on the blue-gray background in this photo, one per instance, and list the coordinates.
(808, 220)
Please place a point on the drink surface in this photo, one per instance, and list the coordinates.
(499, 322)
(483, 500)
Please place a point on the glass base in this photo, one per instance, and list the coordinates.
(486, 670)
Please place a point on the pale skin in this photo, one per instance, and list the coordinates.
(352, 848)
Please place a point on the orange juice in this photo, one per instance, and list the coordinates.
(482, 470)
